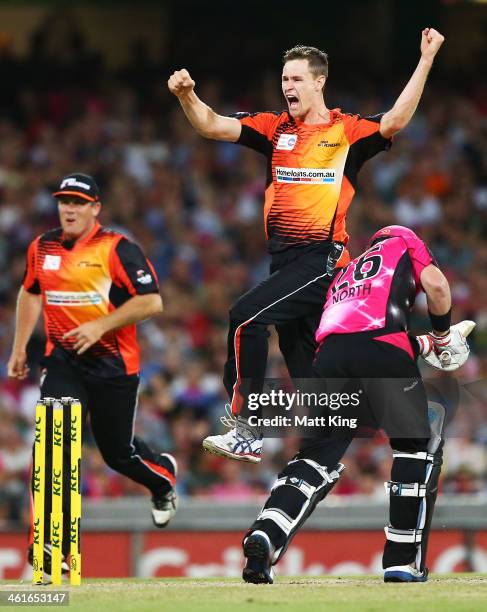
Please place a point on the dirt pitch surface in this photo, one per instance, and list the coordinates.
(454, 592)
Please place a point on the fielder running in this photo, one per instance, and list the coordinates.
(363, 333)
(313, 157)
(92, 285)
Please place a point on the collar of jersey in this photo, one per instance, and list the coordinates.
(87, 237)
(335, 114)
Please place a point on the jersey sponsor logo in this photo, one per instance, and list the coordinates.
(144, 278)
(286, 142)
(72, 182)
(73, 298)
(52, 262)
(88, 264)
(313, 176)
(325, 143)
(356, 291)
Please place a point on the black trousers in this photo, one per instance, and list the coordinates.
(393, 390)
(111, 405)
(292, 299)
(397, 402)
(394, 397)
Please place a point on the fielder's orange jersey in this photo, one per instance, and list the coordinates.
(312, 172)
(81, 281)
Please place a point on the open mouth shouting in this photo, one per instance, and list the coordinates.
(293, 102)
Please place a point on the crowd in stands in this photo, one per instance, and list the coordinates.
(196, 209)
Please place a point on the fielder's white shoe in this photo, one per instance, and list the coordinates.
(242, 442)
(164, 507)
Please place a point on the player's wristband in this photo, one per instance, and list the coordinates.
(440, 323)
(441, 342)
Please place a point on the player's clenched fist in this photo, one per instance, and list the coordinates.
(431, 41)
(180, 83)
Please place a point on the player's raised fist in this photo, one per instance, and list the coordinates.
(431, 41)
(180, 83)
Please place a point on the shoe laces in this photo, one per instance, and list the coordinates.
(229, 419)
(240, 425)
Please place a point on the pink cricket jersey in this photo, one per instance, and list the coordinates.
(376, 290)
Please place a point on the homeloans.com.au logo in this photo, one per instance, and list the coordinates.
(316, 176)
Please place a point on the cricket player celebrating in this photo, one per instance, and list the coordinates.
(313, 157)
(92, 285)
(363, 333)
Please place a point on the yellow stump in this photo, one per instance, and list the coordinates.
(75, 491)
(39, 492)
(57, 492)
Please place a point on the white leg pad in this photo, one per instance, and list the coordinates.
(405, 536)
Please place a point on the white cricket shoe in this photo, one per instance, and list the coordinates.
(405, 573)
(164, 507)
(242, 442)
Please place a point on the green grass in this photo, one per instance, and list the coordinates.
(454, 592)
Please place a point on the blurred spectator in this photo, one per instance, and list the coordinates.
(414, 207)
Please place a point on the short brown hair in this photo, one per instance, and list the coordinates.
(317, 60)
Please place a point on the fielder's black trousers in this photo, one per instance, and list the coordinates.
(292, 300)
(111, 405)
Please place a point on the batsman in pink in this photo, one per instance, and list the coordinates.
(365, 349)
(375, 291)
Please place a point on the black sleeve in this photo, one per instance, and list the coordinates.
(33, 288)
(133, 270)
(253, 136)
(29, 281)
(369, 146)
(365, 146)
(254, 140)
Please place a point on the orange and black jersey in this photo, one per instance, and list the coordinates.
(82, 281)
(311, 173)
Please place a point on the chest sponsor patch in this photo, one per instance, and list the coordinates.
(286, 142)
(73, 298)
(313, 176)
(52, 262)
